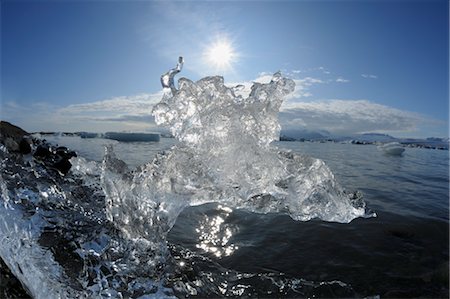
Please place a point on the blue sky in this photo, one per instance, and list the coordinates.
(360, 66)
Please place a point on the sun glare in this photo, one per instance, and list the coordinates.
(220, 55)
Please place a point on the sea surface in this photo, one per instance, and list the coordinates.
(403, 252)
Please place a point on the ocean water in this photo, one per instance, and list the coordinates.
(403, 252)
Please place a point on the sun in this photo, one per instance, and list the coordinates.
(220, 55)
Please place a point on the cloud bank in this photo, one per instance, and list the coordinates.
(344, 117)
(124, 113)
(299, 111)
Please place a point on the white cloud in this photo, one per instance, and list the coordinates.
(136, 104)
(302, 87)
(349, 117)
(126, 113)
(301, 91)
(308, 81)
(369, 76)
(314, 70)
(342, 80)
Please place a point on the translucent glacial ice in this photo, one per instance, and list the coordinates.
(101, 230)
(225, 154)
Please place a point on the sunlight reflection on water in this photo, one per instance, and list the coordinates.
(215, 234)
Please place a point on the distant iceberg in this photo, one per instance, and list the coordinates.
(88, 135)
(392, 148)
(130, 137)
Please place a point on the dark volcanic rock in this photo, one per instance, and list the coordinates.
(10, 286)
(42, 152)
(13, 138)
(19, 141)
(54, 158)
(9, 130)
(63, 165)
(64, 152)
(24, 146)
(63, 155)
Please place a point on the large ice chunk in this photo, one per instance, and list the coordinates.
(226, 153)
